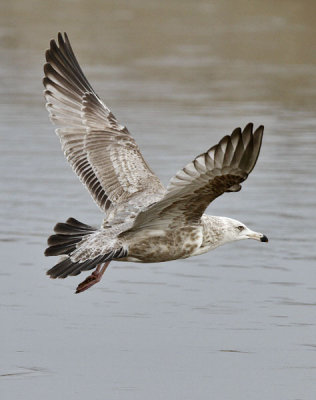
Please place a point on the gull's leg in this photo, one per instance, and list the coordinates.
(92, 279)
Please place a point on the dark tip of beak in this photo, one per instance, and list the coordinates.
(264, 239)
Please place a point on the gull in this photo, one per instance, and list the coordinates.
(144, 221)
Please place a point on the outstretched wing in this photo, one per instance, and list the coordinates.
(221, 169)
(100, 150)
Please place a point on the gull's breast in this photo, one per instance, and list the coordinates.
(159, 246)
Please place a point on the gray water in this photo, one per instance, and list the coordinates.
(236, 323)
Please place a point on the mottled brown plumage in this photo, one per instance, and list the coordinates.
(144, 222)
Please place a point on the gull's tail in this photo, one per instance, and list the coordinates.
(67, 236)
(67, 240)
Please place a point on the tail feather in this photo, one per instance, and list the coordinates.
(68, 234)
(77, 224)
(67, 267)
(54, 240)
(65, 241)
(72, 226)
(73, 268)
(61, 249)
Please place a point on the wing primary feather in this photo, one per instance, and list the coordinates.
(75, 62)
(238, 152)
(257, 141)
(246, 160)
(235, 137)
(58, 61)
(229, 153)
(247, 134)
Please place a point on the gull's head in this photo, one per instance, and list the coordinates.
(236, 230)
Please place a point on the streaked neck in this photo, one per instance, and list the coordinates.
(213, 232)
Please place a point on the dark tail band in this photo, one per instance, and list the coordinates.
(65, 241)
(67, 267)
(68, 234)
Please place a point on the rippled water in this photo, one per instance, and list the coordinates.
(232, 324)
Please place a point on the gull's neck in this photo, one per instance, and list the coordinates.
(214, 229)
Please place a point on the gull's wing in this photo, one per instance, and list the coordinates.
(221, 169)
(100, 150)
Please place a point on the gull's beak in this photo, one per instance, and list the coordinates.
(257, 236)
(264, 238)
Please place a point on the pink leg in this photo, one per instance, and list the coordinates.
(92, 279)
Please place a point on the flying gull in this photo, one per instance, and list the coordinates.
(144, 221)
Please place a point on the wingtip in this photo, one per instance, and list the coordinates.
(48, 73)
(62, 37)
(259, 131)
(236, 133)
(48, 53)
(261, 127)
(249, 126)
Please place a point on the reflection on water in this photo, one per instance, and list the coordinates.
(240, 320)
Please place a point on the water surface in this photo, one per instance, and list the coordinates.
(232, 324)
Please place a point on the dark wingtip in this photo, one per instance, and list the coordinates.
(47, 55)
(237, 131)
(52, 43)
(259, 130)
(48, 68)
(249, 126)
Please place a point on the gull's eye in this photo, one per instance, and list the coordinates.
(240, 228)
